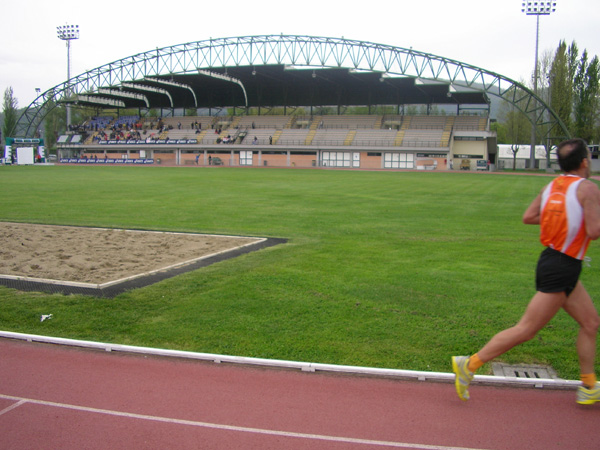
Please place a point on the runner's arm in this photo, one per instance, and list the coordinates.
(531, 216)
(588, 195)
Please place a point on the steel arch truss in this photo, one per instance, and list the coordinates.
(293, 52)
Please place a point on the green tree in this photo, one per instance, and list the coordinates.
(562, 73)
(543, 131)
(514, 148)
(54, 123)
(500, 129)
(574, 90)
(586, 90)
(514, 125)
(9, 109)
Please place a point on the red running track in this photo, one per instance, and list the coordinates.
(54, 397)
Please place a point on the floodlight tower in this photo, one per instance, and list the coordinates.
(537, 9)
(68, 33)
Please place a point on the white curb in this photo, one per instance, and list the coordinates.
(303, 366)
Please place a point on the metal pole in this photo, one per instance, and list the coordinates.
(536, 8)
(535, 84)
(68, 105)
(68, 33)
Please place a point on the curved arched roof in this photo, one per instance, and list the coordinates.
(285, 70)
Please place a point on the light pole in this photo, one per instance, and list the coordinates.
(68, 33)
(537, 9)
(37, 94)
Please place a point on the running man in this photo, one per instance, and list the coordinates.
(568, 212)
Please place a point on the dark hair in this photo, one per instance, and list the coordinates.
(571, 154)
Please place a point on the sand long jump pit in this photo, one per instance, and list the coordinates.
(105, 262)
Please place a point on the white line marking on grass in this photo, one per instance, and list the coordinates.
(217, 426)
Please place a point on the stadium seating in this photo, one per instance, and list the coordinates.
(422, 138)
(292, 137)
(468, 123)
(126, 121)
(374, 138)
(190, 122)
(363, 131)
(327, 130)
(270, 121)
(330, 137)
(100, 122)
(262, 135)
(348, 121)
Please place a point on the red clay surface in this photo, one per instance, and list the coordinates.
(55, 397)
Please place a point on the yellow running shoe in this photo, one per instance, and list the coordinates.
(587, 396)
(460, 366)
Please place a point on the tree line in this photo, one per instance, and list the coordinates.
(569, 82)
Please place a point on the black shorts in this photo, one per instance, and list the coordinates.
(557, 272)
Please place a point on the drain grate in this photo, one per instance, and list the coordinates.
(524, 371)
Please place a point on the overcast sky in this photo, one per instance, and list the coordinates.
(493, 35)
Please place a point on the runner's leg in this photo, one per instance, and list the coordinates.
(542, 307)
(579, 305)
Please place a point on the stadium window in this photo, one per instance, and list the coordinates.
(398, 160)
(245, 158)
(336, 159)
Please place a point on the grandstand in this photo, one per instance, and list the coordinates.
(436, 142)
(283, 110)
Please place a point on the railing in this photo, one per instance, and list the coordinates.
(372, 143)
(425, 127)
(466, 127)
(366, 144)
(345, 126)
(421, 144)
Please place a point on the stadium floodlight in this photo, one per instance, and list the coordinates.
(68, 33)
(537, 9)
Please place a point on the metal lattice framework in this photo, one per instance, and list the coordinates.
(296, 52)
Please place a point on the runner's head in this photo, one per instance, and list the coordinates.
(572, 154)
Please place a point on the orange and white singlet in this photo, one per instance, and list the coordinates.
(562, 225)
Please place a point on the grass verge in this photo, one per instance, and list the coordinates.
(382, 269)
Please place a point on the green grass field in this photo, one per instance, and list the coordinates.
(382, 269)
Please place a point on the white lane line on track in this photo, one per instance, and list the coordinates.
(11, 407)
(217, 426)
